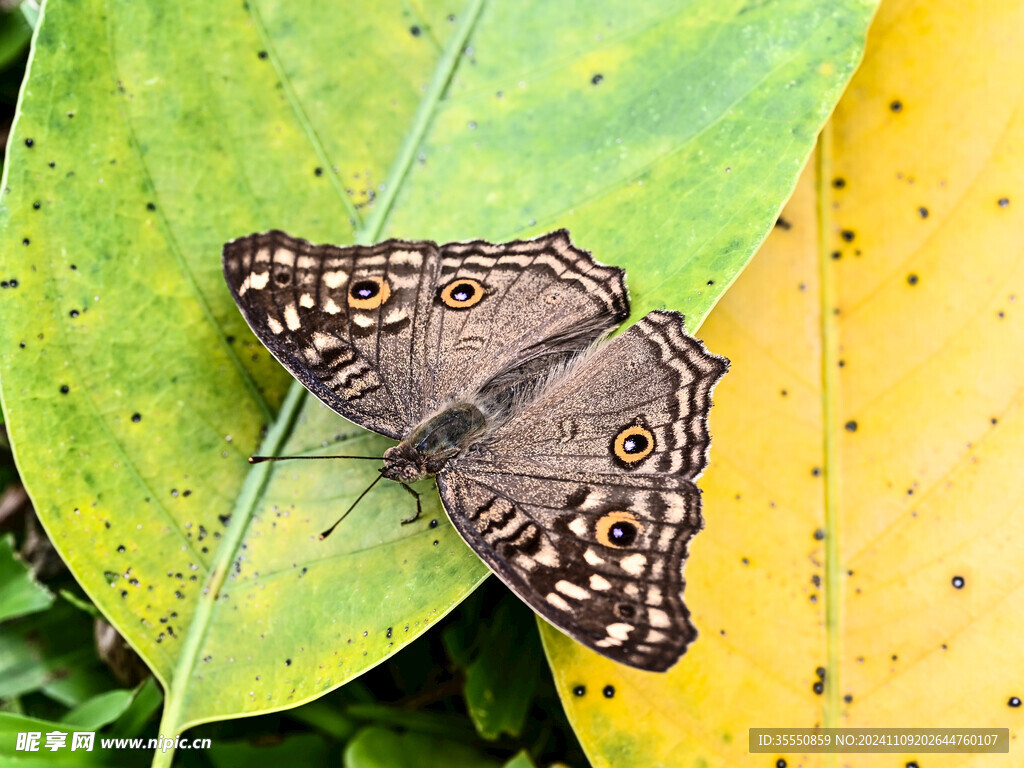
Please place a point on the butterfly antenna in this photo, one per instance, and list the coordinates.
(261, 459)
(330, 530)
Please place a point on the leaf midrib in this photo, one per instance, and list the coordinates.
(830, 447)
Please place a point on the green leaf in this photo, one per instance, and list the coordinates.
(422, 721)
(376, 747)
(100, 710)
(44, 650)
(301, 749)
(148, 134)
(502, 674)
(326, 718)
(146, 701)
(15, 32)
(81, 604)
(20, 593)
(522, 760)
(64, 757)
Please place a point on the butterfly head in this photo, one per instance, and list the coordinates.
(403, 463)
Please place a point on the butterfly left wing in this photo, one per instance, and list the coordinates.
(584, 503)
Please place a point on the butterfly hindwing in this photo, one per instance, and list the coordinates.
(637, 404)
(600, 558)
(584, 501)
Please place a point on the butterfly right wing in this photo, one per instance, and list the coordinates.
(548, 535)
(584, 501)
(344, 321)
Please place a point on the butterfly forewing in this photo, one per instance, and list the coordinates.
(525, 303)
(387, 334)
(341, 320)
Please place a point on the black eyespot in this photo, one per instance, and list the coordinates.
(579, 690)
(622, 533)
(368, 292)
(362, 290)
(462, 293)
(608, 691)
(635, 444)
(625, 611)
(618, 529)
(282, 278)
(632, 445)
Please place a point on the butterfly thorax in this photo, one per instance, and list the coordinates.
(434, 443)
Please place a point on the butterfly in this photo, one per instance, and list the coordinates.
(567, 465)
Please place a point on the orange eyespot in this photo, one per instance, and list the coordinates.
(633, 444)
(368, 292)
(462, 293)
(618, 529)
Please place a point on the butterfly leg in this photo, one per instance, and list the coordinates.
(419, 509)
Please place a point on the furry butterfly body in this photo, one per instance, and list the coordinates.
(569, 468)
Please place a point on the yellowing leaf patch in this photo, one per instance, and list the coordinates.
(860, 564)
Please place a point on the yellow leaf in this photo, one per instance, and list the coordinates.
(863, 524)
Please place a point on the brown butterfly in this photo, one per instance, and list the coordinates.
(569, 468)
